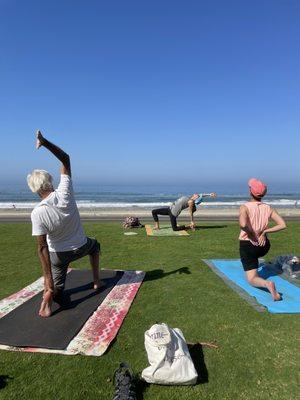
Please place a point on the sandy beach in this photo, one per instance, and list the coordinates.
(118, 214)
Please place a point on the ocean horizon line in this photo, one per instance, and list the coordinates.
(128, 196)
(93, 205)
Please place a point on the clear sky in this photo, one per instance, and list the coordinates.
(152, 91)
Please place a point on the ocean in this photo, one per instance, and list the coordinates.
(96, 197)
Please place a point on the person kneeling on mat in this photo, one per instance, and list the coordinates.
(175, 209)
(254, 243)
(57, 226)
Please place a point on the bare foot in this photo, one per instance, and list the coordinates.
(45, 309)
(98, 285)
(275, 295)
(192, 228)
(156, 228)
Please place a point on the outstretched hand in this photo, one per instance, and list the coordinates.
(39, 139)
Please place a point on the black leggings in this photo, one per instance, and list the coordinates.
(250, 253)
(165, 211)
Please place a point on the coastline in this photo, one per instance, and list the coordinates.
(118, 214)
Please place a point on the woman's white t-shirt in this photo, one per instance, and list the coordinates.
(57, 216)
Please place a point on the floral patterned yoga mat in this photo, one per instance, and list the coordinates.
(164, 231)
(99, 330)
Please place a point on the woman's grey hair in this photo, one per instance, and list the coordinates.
(40, 181)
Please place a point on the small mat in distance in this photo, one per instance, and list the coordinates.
(165, 230)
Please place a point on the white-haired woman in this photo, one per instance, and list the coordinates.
(57, 226)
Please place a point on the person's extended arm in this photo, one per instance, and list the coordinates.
(55, 150)
(43, 253)
(244, 224)
(280, 225)
(209, 194)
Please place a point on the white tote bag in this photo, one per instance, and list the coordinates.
(169, 357)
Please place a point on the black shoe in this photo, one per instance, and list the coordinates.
(124, 383)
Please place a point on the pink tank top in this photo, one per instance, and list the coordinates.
(259, 215)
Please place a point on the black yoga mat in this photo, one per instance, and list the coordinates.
(23, 327)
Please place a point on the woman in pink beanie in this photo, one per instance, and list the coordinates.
(254, 243)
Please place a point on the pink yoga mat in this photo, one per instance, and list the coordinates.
(99, 330)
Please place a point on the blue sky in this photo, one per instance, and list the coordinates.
(152, 91)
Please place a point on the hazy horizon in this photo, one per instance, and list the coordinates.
(230, 188)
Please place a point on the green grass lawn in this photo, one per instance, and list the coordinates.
(257, 357)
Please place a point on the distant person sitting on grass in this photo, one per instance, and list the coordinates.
(254, 243)
(57, 226)
(175, 209)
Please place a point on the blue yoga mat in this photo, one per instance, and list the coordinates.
(233, 270)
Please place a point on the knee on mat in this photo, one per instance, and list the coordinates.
(178, 228)
(250, 279)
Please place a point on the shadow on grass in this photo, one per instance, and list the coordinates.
(199, 227)
(196, 352)
(3, 380)
(160, 273)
